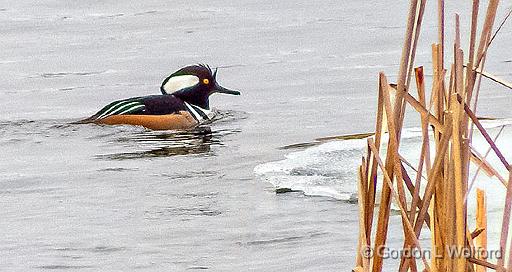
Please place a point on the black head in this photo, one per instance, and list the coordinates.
(194, 84)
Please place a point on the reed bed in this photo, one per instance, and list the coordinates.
(448, 121)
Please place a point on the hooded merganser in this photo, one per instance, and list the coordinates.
(183, 104)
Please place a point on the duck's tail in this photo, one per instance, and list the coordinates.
(89, 120)
(97, 115)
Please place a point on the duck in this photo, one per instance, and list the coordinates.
(183, 103)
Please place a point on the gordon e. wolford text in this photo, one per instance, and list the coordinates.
(449, 251)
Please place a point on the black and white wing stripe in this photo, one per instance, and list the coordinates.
(128, 106)
(200, 114)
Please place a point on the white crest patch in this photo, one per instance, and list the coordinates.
(180, 82)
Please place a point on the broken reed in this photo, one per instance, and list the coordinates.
(451, 114)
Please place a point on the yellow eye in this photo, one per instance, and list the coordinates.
(206, 81)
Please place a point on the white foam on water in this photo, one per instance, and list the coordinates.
(330, 169)
(324, 170)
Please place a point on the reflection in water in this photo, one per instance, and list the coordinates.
(150, 144)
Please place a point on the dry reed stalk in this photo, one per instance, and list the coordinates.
(458, 200)
(481, 223)
(458, 152)
(409, 228)
(481, 63)
(383, 219)
(409, 164)
(392, 151)
(438, 100)
(484, 133)
(372, 180)
(416, 12)
(404, 262)
(470, 76)
(420, 83)
(488, 168)
(494, 78)
(368, 207)
(472, 37)
(475, 234)
(359, 255)
(451, 86)
(424, 112)
(500, 26)
(420, 10)
(440, 31)
(434, 172)
(417, 28)
(425, 158)
(484, 44)
(477, 93)
(482, 163)
(482, 263)
(406, 52)
(470, 81)
(416, 201)
(362, 260)
(505, 226)
(465, 92)
(437, 97)
(384, 208)
(449, 198)
(411, 188)
(364, 180)
(485, 36)
(358, 269)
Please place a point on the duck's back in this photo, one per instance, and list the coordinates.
(158, 112)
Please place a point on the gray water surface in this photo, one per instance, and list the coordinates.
(97, 198)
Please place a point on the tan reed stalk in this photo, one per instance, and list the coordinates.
(458, 200)
(457, 152)
(481, 162)
(440, 31)
(483, 263)
(387, 179)
(484, 133)
(415, 200)
(495, 79)
(383, 218)
(362, 260)
(490, 170)
(411, 189)
(481, 224)
(486, 31)
(434, 172)
(420, 86)
(372, 180)
(505, 226)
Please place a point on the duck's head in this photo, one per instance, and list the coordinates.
(194, 84)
